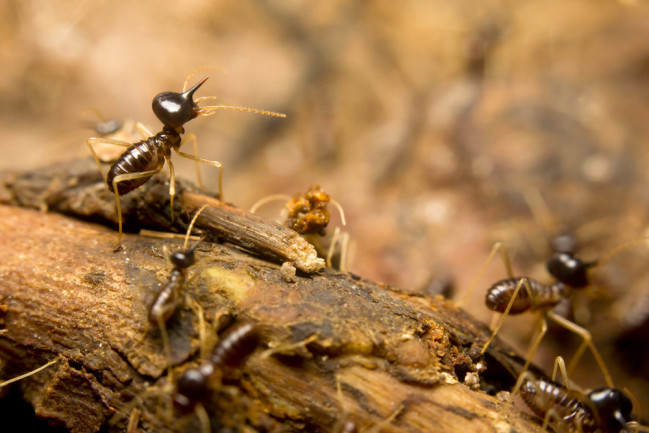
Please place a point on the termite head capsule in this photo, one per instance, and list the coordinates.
(192, 387)
(182, 259)
(175, 109)
(613, 408)
(569, 269)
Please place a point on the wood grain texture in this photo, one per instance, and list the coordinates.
(64, 292)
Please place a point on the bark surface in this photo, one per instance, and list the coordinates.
(401, 359)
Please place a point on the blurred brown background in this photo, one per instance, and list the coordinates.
(440, 126)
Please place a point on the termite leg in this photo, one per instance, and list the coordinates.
(123, 178)
(498, 247)
(202, 326)
(637, 427)
(23, 376)
(172, 186)
(525, 375)
(344, 247)
(203, 418)
(332, 245)
(523, 283)
(186, 237)
(387, 421)
(205, 161)
(338, 238)
(162, 326)
(95, 140)
(532, 350)
(560, 366)
(552, 415)
(288, 347)
(588, 341)
(133, 421)
(192, 137)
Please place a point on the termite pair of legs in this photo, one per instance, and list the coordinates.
(145, 133)
(30, 373)
(544, 313)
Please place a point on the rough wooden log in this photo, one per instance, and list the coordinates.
(400, 358)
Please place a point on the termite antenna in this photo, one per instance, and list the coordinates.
(621, 248)
(209, 110)
(197, 70)
(191, 226)
(340, 211)
(269, 198)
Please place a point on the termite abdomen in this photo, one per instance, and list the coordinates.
(144, 156)
(236, 344)
(532, 295)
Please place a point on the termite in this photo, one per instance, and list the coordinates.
(604, 410)
(169, 296)
(145, 158)
(195, 385)
(517, 295)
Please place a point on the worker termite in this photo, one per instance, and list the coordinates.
(308, 214)
(604, 410)
(516, 295)
(145, 158)
(168, 298)
(195, 385)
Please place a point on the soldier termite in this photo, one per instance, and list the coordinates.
(516, 295)
(308, 214)
(145, 158)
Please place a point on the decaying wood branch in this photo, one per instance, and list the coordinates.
(400, 358)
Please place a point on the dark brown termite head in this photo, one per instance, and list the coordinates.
(565, 265)
(175, 109)
(569, 269)
(193, 387)
(183, 259)
(613, 409)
